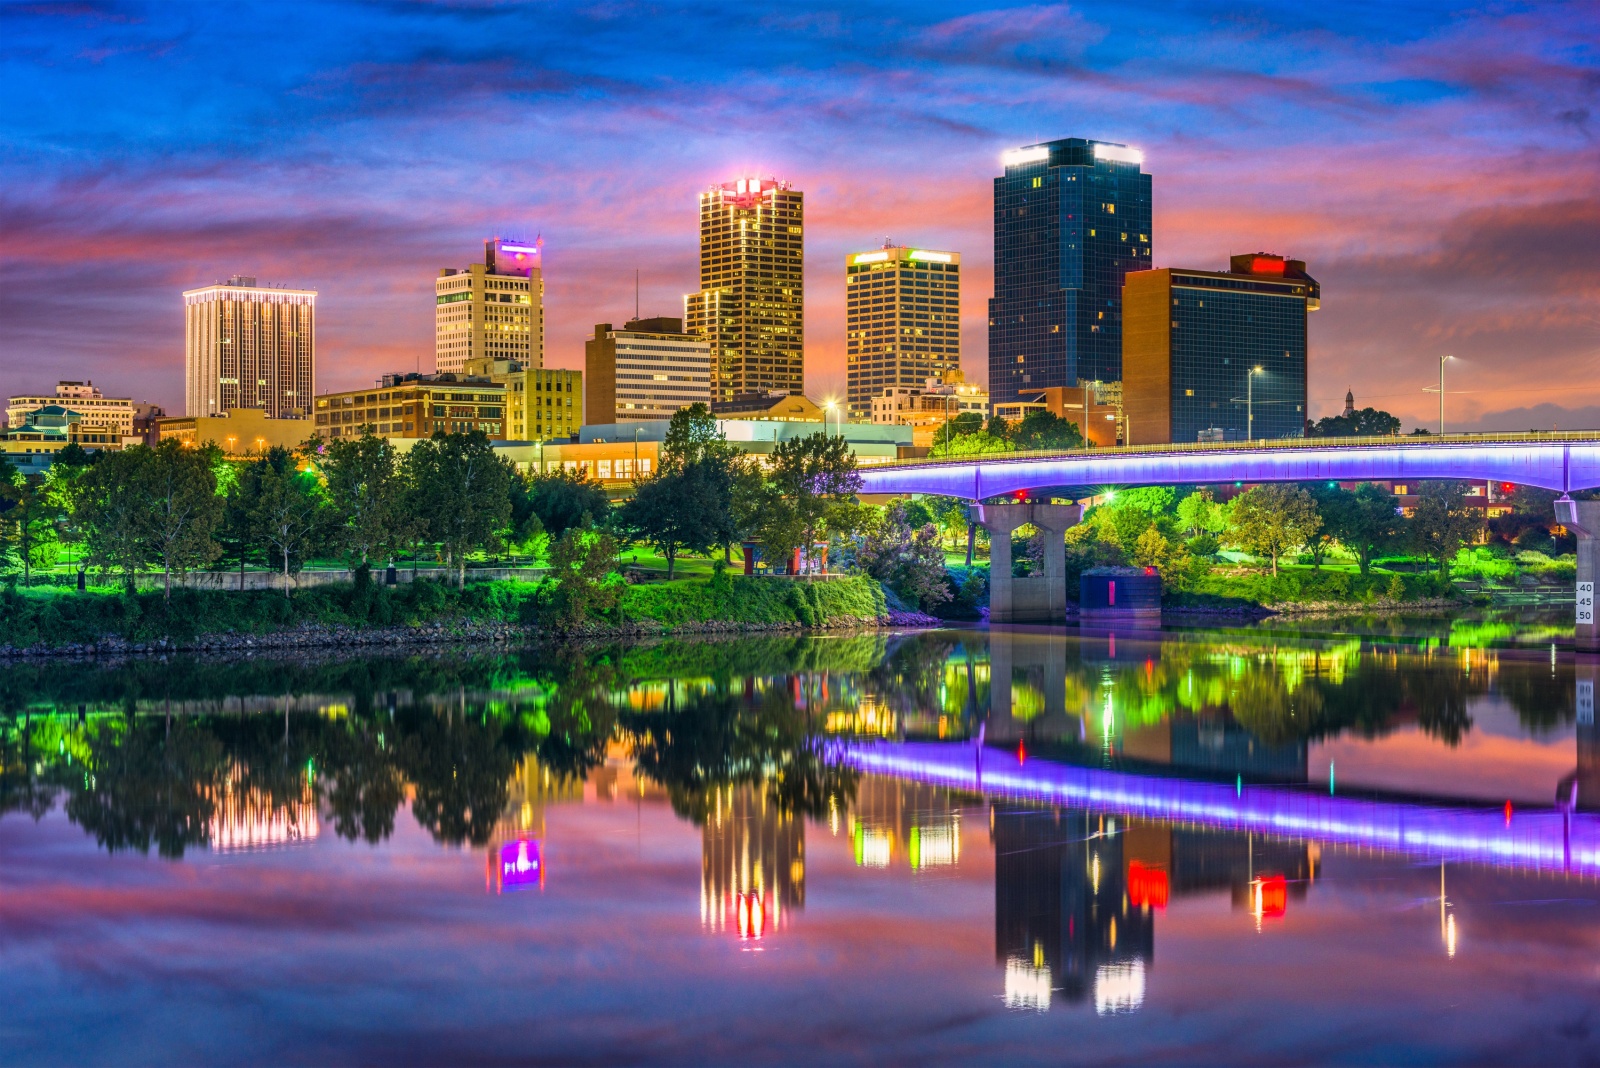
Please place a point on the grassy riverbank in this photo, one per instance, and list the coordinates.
(56, 618)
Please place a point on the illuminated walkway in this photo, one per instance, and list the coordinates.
(1545, 841)
(1553, 461)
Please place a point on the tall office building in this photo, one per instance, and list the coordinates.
(492, 309)
(647, 370)
(751, 300)
(249, 346)
(1194, 342)
(1071, 218)
(903, 321)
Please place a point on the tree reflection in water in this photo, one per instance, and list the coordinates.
(141, 754)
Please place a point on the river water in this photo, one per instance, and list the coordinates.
(1352, 843)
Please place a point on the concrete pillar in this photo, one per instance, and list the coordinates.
(1035, 599)
(1583, 519)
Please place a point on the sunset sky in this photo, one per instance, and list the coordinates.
(1436, 166)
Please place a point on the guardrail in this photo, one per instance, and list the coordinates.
(1408, 441)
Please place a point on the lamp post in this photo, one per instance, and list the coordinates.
(636, 431)
(1250, 403)
(1442, 361)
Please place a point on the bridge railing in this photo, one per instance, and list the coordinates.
(1388, 441)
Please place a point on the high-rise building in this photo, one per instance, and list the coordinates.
(1071, 218)
(647, 370)
(750, 307)
(492, 309)
(1217, 356)
(903, 317)
(752, 862)
(249, 346)
(113, 414)
(541, 402)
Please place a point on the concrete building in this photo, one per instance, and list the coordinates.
(616, 463)
(750, 307)
(871, 444)
(541, 402)
(649, 369)
(903, 321)
(415, 406)
(927, 409)
(240, 432)
(775, 406)
(112, 415)
(249, 346)
(1103, 400)
(493, 309)
(1217, 356)
(45, 431)
(1071, 219)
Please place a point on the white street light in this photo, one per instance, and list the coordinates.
(1442, 361)
(1250, 403)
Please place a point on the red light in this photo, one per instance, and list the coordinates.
(1021, 495)
(1272, 896)
(1266, 265)
(1020, 753)
(1111, 592)
(1508, 813)
(1149, 571)
(1147, 886)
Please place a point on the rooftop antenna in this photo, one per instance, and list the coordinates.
(636, 293)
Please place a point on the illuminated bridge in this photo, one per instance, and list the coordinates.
(1549, 840)
(1563, 462)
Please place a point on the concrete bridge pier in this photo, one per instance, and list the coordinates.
(1583, 519)
(1036, 599)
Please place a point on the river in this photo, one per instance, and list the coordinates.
(1333, 842)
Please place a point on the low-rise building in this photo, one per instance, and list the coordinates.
(238, 432)
(94, 408)
(541, 402)
(927, 409)
(1103, 400)
(415, 406)
(774, 406)
(614, 463)
(872, 443)
(45, 431)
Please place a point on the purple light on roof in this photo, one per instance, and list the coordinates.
(1543, 841)
(1555, 465)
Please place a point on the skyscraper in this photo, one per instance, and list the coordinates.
(249, 346)
(903, 319)
(494, 308)
(1071, 218)
(1217, 356)
(751, 300)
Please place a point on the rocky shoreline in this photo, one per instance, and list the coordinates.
(441, 633)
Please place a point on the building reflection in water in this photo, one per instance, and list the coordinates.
(1076, 895)
(514, 858)
(894, 819)
(752, 863)
(248, 818)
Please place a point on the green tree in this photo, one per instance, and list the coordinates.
(566, 499)
(1364, 521)
(290, 512)
(813, 482)
(28, 522)
(460, 491)
(110, 512)
(962, 425)
(1042, 429)
(182, 508)
(1366, 423)
(683, 508)
(585, 587)
(366, 495)
(692, 436)
(980, 443)
(1440, 523)
(65, 484)
(237, 533)
(1199, 513)
(1273, 519)
(906, 557)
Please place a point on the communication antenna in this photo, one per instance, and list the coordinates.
(636, 293)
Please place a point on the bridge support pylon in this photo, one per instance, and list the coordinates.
(1583, 519)
(1036, 599)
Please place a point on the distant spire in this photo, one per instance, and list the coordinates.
(1349, 403)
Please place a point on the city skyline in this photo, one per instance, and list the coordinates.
(1438, 170)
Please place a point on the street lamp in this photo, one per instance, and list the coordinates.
(829, 406)
(1250, 403)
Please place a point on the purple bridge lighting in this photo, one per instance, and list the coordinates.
(1561, 462)
(1548, 840)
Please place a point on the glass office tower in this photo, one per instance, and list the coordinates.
(1071, 218)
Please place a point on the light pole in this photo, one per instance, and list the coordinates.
(636, 432)
(1442, 361)
(1250, 403)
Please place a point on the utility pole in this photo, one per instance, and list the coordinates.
(1250, 404)
(1442, 360)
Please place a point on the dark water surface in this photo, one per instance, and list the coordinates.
(1249, 846)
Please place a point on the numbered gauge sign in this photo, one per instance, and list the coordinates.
(1585, 603)
(1585, 701)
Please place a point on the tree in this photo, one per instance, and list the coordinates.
(110, 512)
(1199, 513)
(1042, 429)
(961, 426)
(581, 563)
(28, 522)
(366, 495)
(290, 512)
(979, 443)
(813, 482)
(681, 509)
(1440, 522)
(460, 491)
(65, 486)
(693, 435)
(905, 557)
(1364, 521)
(566, 499)
(1367, 423)
(1273, 519)
(182, 509)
